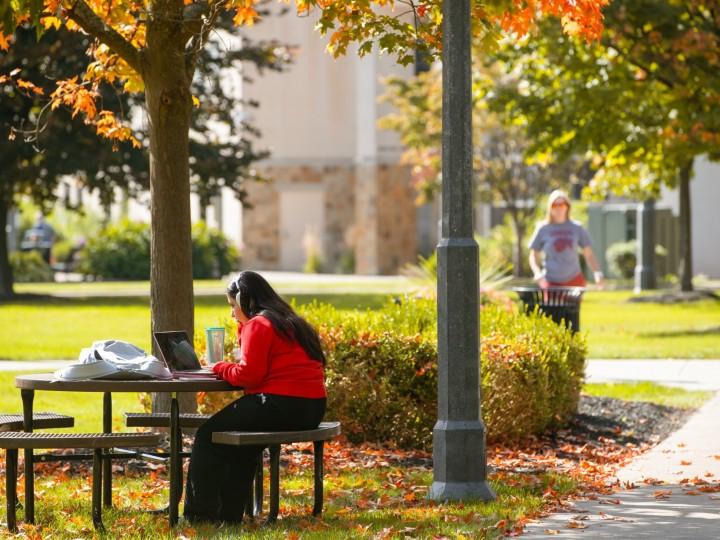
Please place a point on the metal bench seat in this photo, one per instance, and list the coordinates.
(41, 420)
(12, 441)
(273, 440)
(187, 420)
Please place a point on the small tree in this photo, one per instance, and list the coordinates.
(503, 175)
(68, 146)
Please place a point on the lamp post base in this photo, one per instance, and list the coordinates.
(460, 470)
(461, 491)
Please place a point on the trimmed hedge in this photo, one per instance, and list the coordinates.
(122, 251)
(382, 372)
(30, 267)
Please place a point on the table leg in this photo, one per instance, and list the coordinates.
(107, 463)
(27, 398)
(176, 472)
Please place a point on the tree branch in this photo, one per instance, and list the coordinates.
(89, 21)
(201, 21)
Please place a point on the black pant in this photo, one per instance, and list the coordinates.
(220, 476)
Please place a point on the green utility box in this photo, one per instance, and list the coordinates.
(610, 223)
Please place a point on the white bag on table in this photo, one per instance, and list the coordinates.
(114, 359)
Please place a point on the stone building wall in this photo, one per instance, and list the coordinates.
(261, 227)
(397, 213)
(380, 231)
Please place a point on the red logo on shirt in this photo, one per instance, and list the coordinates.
(561, 244)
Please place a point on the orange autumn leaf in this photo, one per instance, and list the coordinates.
(4, 42)
(245, 15)
(29, 87)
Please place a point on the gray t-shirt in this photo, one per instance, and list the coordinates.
(560, 242)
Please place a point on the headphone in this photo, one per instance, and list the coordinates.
(238, 299)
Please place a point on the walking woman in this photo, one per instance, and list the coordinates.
(281, 369)
(558, 239)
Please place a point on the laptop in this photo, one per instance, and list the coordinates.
(179, 356)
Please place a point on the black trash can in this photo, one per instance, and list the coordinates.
(559, 303)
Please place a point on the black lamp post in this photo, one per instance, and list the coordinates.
(459, 460)
(645, 274)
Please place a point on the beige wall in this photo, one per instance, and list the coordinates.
(319, 119)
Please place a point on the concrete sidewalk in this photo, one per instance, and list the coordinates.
(33, 365)
(676, 509)
(688, 374)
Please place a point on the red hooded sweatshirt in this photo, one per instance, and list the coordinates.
(271, 364)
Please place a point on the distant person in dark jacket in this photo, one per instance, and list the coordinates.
(554, 257)
(281, 369)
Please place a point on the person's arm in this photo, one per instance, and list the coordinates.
(536, 267)
(535, 258)
(594, 266)
(254, 363)
(586, 244)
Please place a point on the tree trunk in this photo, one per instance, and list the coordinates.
(686, 265)
(6, 277)
(169, 106)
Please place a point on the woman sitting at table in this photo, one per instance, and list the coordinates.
(281, 369)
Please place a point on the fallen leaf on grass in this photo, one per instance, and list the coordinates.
(662, 494)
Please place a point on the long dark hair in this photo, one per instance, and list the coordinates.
(257, 297)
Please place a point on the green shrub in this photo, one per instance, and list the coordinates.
(122, 251)
(622, 258)
(532, 373)
(213, 254)
(30, 267)
(382, 372)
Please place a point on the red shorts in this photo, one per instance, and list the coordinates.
(577, 281)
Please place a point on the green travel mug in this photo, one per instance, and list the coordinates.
(215, 344)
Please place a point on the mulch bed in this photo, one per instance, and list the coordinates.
(633, 422)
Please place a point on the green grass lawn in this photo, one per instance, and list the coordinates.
(618, 329)
(653, 393)
(61, 326)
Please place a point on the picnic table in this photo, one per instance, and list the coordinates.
(28, 384)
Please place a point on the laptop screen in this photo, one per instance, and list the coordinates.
(177, 351)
